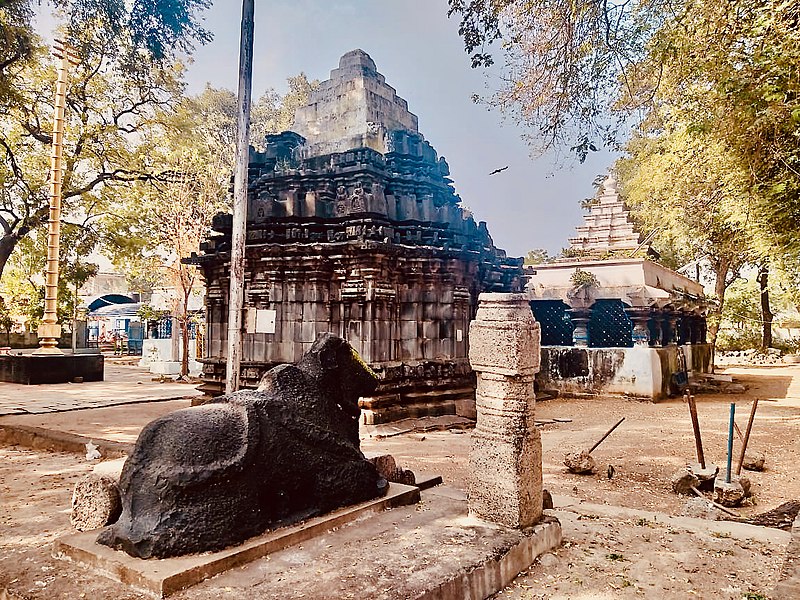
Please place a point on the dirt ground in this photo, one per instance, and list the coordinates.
(604, 555)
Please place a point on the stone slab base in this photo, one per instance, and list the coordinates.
(166, 576)
(431, 550)
(31, 369)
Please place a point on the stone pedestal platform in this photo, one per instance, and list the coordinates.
(433, 550)
(33, 369)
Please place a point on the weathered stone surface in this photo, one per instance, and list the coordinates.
(754, 461)
(700, 508)
(683, 481)
(95, 502)
(746, 485)
(506, 456)
(728, 493)
(211, 476)
(389, 469)
(581, 462)
(706, 476)
(788, 587)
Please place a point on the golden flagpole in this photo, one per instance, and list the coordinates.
(49, 330)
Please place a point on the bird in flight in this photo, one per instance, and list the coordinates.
(499, 170)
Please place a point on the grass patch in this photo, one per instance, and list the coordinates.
(721, 535)
(616, 557)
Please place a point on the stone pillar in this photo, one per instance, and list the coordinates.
(580, 318)
(641, 332)
(506, 457)
(655, 325)
(672, 318)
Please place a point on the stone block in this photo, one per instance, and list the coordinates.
(504, 348)
(506, 482)
(409, 330)
(410, 349)
(430, 330)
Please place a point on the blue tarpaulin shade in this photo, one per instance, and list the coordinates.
(110, 301)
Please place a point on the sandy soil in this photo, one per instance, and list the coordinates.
(603, 556)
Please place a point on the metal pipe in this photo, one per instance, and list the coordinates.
(747, 436)
(696, 427)
(730, 443)
(238, 233)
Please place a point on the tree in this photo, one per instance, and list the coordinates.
(127, 70)
(144, 30)
(565, 63)
(575, 71)
(273, 113)
(107, 110)
(688, 185)
(537, 256)
(162, 221)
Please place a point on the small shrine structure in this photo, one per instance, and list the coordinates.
(611, 320)
(354, 228)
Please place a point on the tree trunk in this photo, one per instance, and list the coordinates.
(7, 244)
(721, 270)
(766, 312)
(185, 347)
(185, 332)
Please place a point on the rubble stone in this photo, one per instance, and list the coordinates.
(700, 508)
(729, 494)
(754, 461)
(683, 481)
(579, 462)
(706, 476)
(95, 502)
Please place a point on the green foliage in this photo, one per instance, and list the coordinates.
(718, 79)
(273, 113)
(581, 278)
(565, 62)
(537, 256)
(147, 313)
(746, 338)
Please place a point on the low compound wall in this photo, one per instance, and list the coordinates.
(639, 372)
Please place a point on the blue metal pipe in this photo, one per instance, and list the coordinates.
(730, 443)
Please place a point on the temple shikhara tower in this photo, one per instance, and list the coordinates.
(354, 228)
(607, 227)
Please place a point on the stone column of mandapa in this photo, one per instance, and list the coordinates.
(641, 332)
(506, 458)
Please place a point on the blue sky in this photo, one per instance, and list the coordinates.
(532, 204)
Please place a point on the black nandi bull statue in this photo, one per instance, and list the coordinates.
(211, 476)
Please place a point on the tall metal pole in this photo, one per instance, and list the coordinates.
(49, 330)
(238, 235)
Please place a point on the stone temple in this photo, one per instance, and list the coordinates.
(354, 228)
(613, 321)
